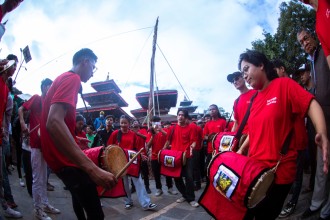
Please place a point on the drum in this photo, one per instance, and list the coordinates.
(171, 162)
(134, 168)
(241, 180)
(224, 141)
(111, 158)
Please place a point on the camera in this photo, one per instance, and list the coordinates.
(155, 124)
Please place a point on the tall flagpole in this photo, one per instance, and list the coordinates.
(151, 109)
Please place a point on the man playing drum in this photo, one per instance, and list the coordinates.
(61, 152)
(182, 137)
(155, 140)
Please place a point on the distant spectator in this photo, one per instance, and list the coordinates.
(322, 25)
(105, 133)
(90, 136)
(99, 123)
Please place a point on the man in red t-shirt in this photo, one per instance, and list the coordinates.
(79, 173)
(156, 139)
(38, 164)
(182, 137)
(212, 127)
(241, 104)
(7, 69)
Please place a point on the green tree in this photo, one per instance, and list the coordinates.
(283, 44)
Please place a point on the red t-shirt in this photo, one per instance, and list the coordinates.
(128, 140)
(140, 141)
(213, 126)
(240, 108)
(3, 100)
(301, 137)
(34, 106)
(182, 138)
(63, 90)
(271, 119)
(199, 138)
(157, 144)
(323, 25)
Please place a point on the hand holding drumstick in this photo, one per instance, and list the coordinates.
(122, 171)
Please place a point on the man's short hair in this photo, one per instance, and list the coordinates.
(80, 118)
(46, 82)
(109, 116)
(278, 63)
(82, 54)
(12, 57)
(155, 118)
(308, 31)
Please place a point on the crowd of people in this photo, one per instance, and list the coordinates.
(49, 135)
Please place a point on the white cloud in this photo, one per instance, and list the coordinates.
(201, 40)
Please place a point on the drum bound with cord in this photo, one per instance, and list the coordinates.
(236, 183)
(112, 158)
(171, 162)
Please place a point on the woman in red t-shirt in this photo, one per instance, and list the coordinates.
(126, 139)
(277, 102)
(215, 125)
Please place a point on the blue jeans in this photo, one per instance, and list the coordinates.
(142, 195)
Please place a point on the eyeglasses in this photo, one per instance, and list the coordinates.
(94, 68)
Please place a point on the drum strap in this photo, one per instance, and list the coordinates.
(286, 143)
(246, 116)
(284, 149)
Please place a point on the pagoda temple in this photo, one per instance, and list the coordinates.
(187, 105)
(106, 98)
(164, 100)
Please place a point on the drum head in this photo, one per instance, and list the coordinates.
(114, 159)
(259, 191)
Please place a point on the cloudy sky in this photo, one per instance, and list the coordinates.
(201, 40)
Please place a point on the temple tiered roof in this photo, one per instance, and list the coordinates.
(164, 100)
(106, 98)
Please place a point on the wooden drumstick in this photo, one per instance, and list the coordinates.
(34, 128)
(125, 167)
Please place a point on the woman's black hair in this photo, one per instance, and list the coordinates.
(214, 105)
(257, 58)
(125, 117)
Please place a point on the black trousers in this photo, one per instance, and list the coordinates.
(186, 188)
(145, 172)
(196, 169)
(155, 166)
(272, 205)
(26, 159)
(84, 194)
